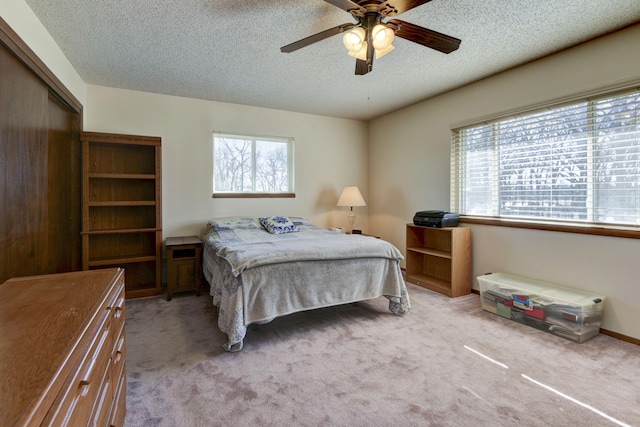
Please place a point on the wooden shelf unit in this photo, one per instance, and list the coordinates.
(122, 208)
(439, 259)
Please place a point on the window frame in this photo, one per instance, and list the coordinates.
(591, 228)
(256, 194)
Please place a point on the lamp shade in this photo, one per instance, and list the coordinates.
(351, 197)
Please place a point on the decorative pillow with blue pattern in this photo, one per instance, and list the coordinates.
(278, 224)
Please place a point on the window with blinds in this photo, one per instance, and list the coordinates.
(570, 163)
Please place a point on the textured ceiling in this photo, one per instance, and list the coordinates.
(229, 50)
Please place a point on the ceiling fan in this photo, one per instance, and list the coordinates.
(370, 36)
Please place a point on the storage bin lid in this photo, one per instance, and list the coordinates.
(551, 291)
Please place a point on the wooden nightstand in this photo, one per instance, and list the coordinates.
(184, 265)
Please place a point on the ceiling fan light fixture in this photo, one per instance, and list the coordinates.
(353, 40)
(360, 54)
(382, 36)
(370, 37)
(382, 52)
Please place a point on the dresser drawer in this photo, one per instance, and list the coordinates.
(118, 357)
(102, 407)
(117, 308)
(119, 402)
(75, 404)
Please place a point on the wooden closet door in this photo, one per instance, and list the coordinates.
(64, 210)
(39, 176)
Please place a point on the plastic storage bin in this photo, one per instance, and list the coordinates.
(569, 313)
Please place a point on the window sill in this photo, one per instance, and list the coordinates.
(598, 230)
(252, 195)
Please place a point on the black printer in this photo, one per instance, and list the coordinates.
(437, 219)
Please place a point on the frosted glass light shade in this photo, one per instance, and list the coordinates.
(382, 36)
(354, 39)
(382, 52)
(360, 54)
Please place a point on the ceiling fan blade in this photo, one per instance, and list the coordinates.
(316, 38)
(396, 7)
(347, 5)
(361, 67)
(425, 37)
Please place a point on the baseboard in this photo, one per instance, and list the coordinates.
(620, 336)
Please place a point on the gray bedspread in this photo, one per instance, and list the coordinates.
(256, 276)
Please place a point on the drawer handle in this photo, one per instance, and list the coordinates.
(118, 308)
(118, 355)
(120, 344)
(85, 382)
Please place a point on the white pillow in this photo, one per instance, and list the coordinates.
(230, 223)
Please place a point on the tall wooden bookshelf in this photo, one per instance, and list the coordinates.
(439, 259)
(122, 208)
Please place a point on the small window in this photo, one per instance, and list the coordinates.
(252, 166)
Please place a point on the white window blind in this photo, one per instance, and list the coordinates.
(571, 163)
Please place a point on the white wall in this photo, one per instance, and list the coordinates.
(330, 153)
(24, 22)
(409, 171)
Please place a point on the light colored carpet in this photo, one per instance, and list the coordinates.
(447, 363)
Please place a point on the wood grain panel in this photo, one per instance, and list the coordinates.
(23, 165)
(64, 215)
(40, 124)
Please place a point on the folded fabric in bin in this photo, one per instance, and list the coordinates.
(489, 303)
(503, 311)
(536, 312)
(536, 323)
(523, 301)
(577, 336)
(572, 313)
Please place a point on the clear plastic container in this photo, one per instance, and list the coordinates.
(569, 313)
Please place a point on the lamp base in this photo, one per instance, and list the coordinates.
(352, 219)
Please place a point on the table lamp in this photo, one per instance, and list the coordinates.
(351, 197)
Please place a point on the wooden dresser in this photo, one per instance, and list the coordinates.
(62, 349)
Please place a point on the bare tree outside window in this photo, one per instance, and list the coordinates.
(272, 174)
(252, 165)
(576, 163)
(232, 165)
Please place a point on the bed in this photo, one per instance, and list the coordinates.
(262, 268)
